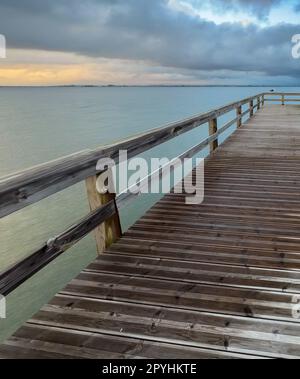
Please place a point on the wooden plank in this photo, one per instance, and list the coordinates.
(239, 228)
(41, 342)
(265, 338)
(175, 294)
(198, 272)
(221, 239)
(208, 253)
(229, 212)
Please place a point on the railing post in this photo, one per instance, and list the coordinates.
(263, 100)
(110, 231)
(213, 128)
(239, 116)
(258, 103)
(251, 108)
(282, 99)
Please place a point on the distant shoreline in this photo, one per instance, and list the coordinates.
(153, 86)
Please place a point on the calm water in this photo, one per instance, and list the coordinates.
(38, 125)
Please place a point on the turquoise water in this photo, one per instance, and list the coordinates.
(41, 124)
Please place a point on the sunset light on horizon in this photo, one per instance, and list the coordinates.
(149, 42)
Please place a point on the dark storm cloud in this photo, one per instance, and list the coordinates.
(149, 31)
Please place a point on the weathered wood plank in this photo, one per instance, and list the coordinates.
(40, 342)
(266, 338)
(208, 253)
(198, 272)
(151, 291)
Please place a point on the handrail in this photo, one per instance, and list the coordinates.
(282, 93)
(30, 186)
(27, 267)
(283, 97)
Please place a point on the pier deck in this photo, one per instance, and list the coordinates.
(216, 280)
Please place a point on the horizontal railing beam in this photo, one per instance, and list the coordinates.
(30, 186)
(282, 93)
(285, 99)
(27, 267)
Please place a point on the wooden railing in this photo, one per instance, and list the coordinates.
(30, 186)
(282, 97)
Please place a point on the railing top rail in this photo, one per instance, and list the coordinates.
(32, 185)
(282, 93)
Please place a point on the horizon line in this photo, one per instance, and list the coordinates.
(145, 85)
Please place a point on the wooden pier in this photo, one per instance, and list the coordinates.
(216, 280)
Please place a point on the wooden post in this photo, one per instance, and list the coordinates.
(263, 100)
(258, 103)
(251, 108)
(213, 128)
(239, 114)
(282, 99)
(110, 231)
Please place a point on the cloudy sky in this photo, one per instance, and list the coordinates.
(149, 42)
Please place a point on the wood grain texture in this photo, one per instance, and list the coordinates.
(110, 230)
(27, 267)
(239, 113)
(251, 107)
(213, 129)
(30, 186)
(215, 280)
